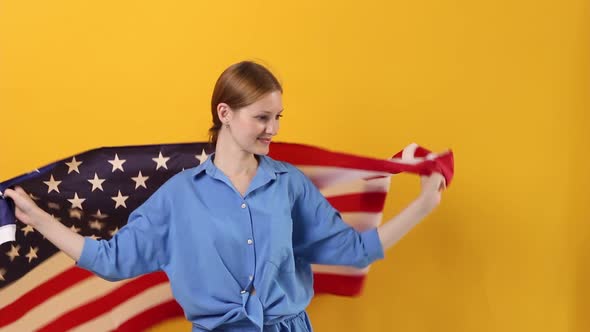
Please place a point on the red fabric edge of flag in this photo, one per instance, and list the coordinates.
(104, 303)
(334, 284)
(14, 311)
(151, 317)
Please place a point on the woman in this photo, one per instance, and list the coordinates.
(236, 235)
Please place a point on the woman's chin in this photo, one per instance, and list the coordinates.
(261, 149)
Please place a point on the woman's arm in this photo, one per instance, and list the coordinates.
(394, 229)
(71, 243)
(141, 246)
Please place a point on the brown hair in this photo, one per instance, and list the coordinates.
(240, 85)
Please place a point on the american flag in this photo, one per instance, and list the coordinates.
(93, 193)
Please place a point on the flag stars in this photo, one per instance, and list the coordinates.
(13, 253)
(2, 274)
(58, 219)
(94, 237)
(53, 206)
(120, 200)
(161, 161)
(117, 163)
(96, 182)
(75, 229)
(100, 215)
(202, 157)
(32, 253)
(52, 184)
(77, 201)
(95, 224)
(73, 166)
(76, 213)
(140, 180)
(27, 229)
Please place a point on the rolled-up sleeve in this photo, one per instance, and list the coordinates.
(139, 247)
(320, 236)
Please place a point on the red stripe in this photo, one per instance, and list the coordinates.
(95, 308)
(37, 295)
(326, 283)
(363, 202)
(419, 152)
(151, 317)
(305, 155)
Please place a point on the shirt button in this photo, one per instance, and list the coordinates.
(250, 277)
(243, 206)
(250, 241)
(243, 292)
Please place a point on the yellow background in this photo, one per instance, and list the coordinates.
(503, 83)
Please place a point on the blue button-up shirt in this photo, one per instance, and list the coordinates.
(216, 245)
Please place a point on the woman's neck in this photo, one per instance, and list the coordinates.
(233, 161)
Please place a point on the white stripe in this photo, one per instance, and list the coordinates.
(413, 161)
(7, 233)
(52, 266)
(71, 298)
(416, 160)
(324, 176)
(362, 221)
(342, 270)
(409, 151)
(150, 298)
(377, 185)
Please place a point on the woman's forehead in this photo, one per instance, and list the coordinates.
(271, 103)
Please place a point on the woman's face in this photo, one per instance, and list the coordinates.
(252, 127)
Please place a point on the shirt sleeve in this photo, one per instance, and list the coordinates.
(140, 247)
(320, 236)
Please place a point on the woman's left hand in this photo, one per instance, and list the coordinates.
(431, 192)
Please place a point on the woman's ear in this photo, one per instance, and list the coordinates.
(224, 112)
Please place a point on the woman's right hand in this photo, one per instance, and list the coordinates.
(26, 210)
(29, 213)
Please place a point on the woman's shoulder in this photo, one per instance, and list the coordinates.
(279, 166)
(295, 176)
(176, 183)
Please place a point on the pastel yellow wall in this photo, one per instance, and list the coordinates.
(504, 83)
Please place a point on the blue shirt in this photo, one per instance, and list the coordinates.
(216, 245)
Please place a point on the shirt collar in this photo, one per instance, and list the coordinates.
(268, 165)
